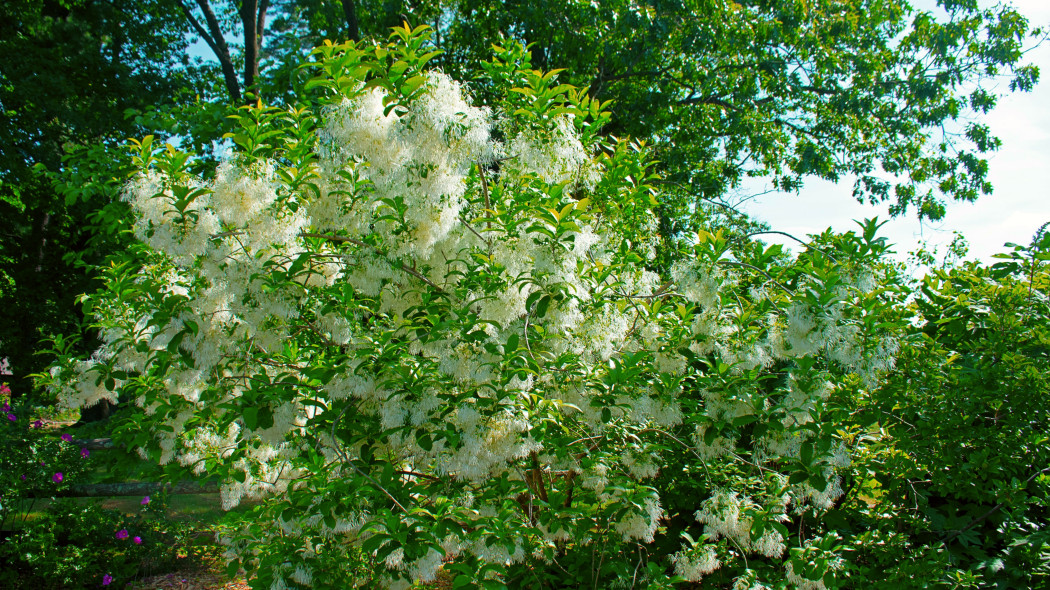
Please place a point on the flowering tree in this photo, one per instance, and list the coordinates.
(427, 332)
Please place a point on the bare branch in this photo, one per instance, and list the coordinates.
(213, 36)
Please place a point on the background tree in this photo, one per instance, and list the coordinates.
(213, 27)
(723, 90)
(278, 47)
(728, 90)
(69, 72)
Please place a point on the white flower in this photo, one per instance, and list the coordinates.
(395, 560)
(303, 575)
(696, 563)
(425, 568)
(642, 525)
(555, 158)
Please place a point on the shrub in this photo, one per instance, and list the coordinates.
(436, 334)
(34, 462)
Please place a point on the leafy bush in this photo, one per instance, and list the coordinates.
(957, 478)
(34, 462)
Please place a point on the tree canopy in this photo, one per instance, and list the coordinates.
(69, 74)
(876, 90)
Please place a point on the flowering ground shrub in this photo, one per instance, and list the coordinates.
(77, 545)
(431, 333)
(68, 545)
(34, 462)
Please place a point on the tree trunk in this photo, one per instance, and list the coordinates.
(213, 36)
(350, 14)
(97, 413)
(249, 22)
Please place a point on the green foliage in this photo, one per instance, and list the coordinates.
(71, 70)
(957, 468)
(786, 90)
(75, 545)
(721, 90)
(710, 437)
(72, 544)
(34, 463)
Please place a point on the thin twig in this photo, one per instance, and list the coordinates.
(408, 269)
(347, 461)
(336, 239)
(472, 230)
(484, 186)
(758, 270)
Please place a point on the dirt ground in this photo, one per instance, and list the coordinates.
(201, 580)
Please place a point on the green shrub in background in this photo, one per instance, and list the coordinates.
(953, 486)
(70, 543)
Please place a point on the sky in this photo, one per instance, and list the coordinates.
(1019, 172)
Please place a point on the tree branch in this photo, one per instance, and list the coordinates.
(217, 42)
(407, 269)
(758, 270)
(350, 14)
(804, 243)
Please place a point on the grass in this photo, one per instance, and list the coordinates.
(201, 508)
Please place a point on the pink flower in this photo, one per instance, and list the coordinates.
(57, 478)
(137, 540)
(38, 424)
(67, 437)
(107, 580)
(122, 534)
(12, 417)
(145, 501)
(84, 453)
